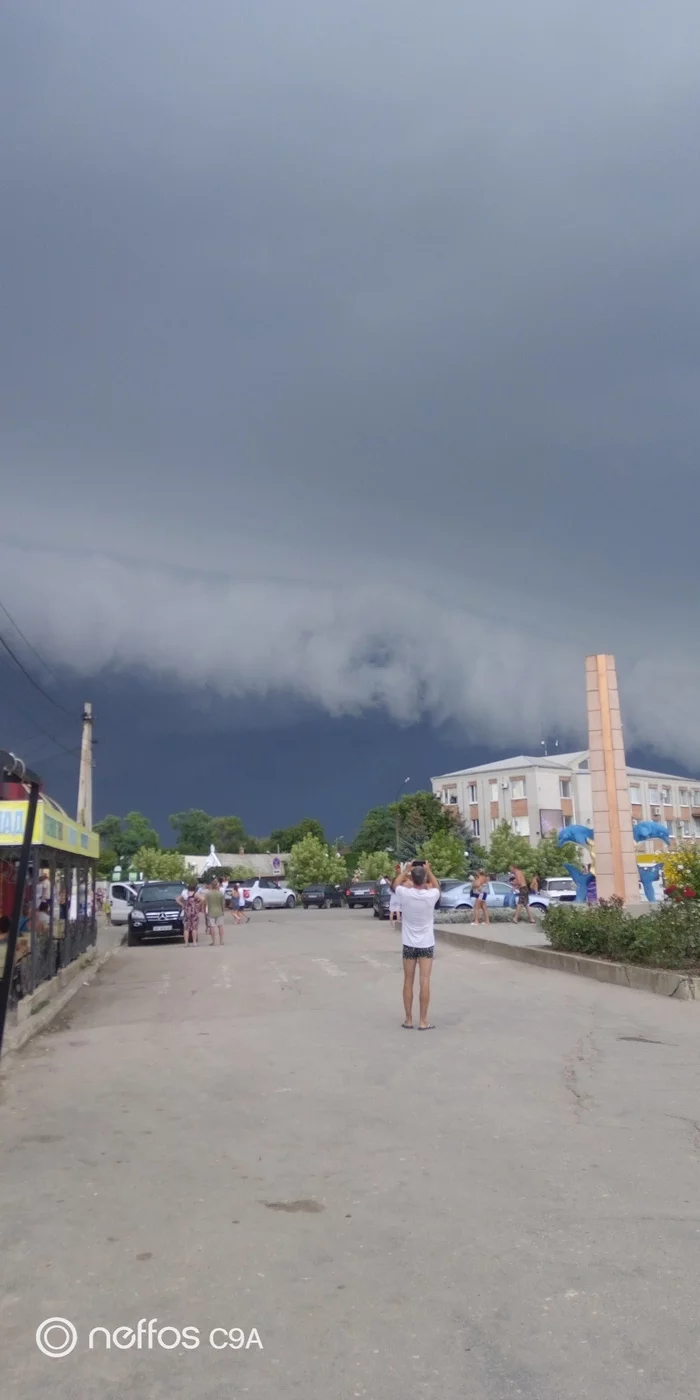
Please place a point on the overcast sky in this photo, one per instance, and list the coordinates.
(349, 353)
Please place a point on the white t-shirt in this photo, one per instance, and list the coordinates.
(394, 905)
(417, 909)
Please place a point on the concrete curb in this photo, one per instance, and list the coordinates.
(37, 1011)
(641, 979)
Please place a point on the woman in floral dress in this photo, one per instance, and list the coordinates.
(191, 905)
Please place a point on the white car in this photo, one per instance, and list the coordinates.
(460, 896)
(268, 894)
(121, 896)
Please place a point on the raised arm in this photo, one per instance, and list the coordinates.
(431, 880)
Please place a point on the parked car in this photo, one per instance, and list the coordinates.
(155, 913)
(120, 897)
(557, 888)
(322, 897)
(361, 893)
(460, 895)
(381, 901)
(268, 894)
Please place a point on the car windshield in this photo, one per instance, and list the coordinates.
(450, 884)
(154, 894)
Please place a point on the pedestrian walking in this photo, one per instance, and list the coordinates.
(480, 889)
(191, 903)
(523, 892)
(241, 906)
(215, 911)
(418, 892)
(394, 905)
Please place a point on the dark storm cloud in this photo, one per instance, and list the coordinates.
(367, 332)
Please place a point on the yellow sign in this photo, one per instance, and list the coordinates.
(51, 828)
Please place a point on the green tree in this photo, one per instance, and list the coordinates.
(110, 832)
(376, 833)
(284, 838)
(445, 851)
(160, 865)
(137, 832)
(372, 864)
(227, 834)
(507, 848)
(312, 862)
(551, 859)
(193, 831)
(106, 863)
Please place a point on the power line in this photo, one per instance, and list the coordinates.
(21, 710)
(31, 679)
(26, 640)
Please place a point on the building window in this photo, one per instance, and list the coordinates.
(453, 800)
(666, 796)
(493, 788)
(635, 794)
(565, 787)
(495, 823)
(472, 792)
(696, 797)
(685, 832)
(683, 797)
(568, 821)
(517, 788)
(476, 829)
(521, 826)
(697, 826)
(654, 796)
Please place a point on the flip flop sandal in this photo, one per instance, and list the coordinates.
(426, 1028)
(405, 1026)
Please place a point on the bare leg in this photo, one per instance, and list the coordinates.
(426, 967)
(409, 977)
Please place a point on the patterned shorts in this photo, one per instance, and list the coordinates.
(412, 953)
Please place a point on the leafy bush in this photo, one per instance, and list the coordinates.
(667, 936)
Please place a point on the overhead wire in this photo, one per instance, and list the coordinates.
(30, 678)
(26, 640)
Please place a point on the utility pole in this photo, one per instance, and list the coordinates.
(85, 780)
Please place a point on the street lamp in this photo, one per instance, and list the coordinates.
(398, 815)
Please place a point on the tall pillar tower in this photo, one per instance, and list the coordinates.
(615, 859)
(85, 779)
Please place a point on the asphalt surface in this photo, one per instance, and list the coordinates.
(245, 1137)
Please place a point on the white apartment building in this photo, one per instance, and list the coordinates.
(537, 795)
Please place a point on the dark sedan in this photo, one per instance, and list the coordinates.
(322, 897)
(361, 894)
(381, 901)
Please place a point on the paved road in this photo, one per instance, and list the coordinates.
(244, 1136)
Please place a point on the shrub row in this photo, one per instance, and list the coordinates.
(667, 936)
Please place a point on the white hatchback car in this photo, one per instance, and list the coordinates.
(268, 894)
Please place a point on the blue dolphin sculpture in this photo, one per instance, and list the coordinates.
(649, 831)
(578, 834)
(582, 880)
(648, 874)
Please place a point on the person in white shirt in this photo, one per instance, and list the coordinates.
(394, 908)
(417, 892)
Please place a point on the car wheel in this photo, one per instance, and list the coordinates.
(257, 903)
(133, 940)
(350, 904)
(305, 906)
(464, 906)
(541, 907)
(291, 902)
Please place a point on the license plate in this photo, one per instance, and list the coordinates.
(162, 928)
